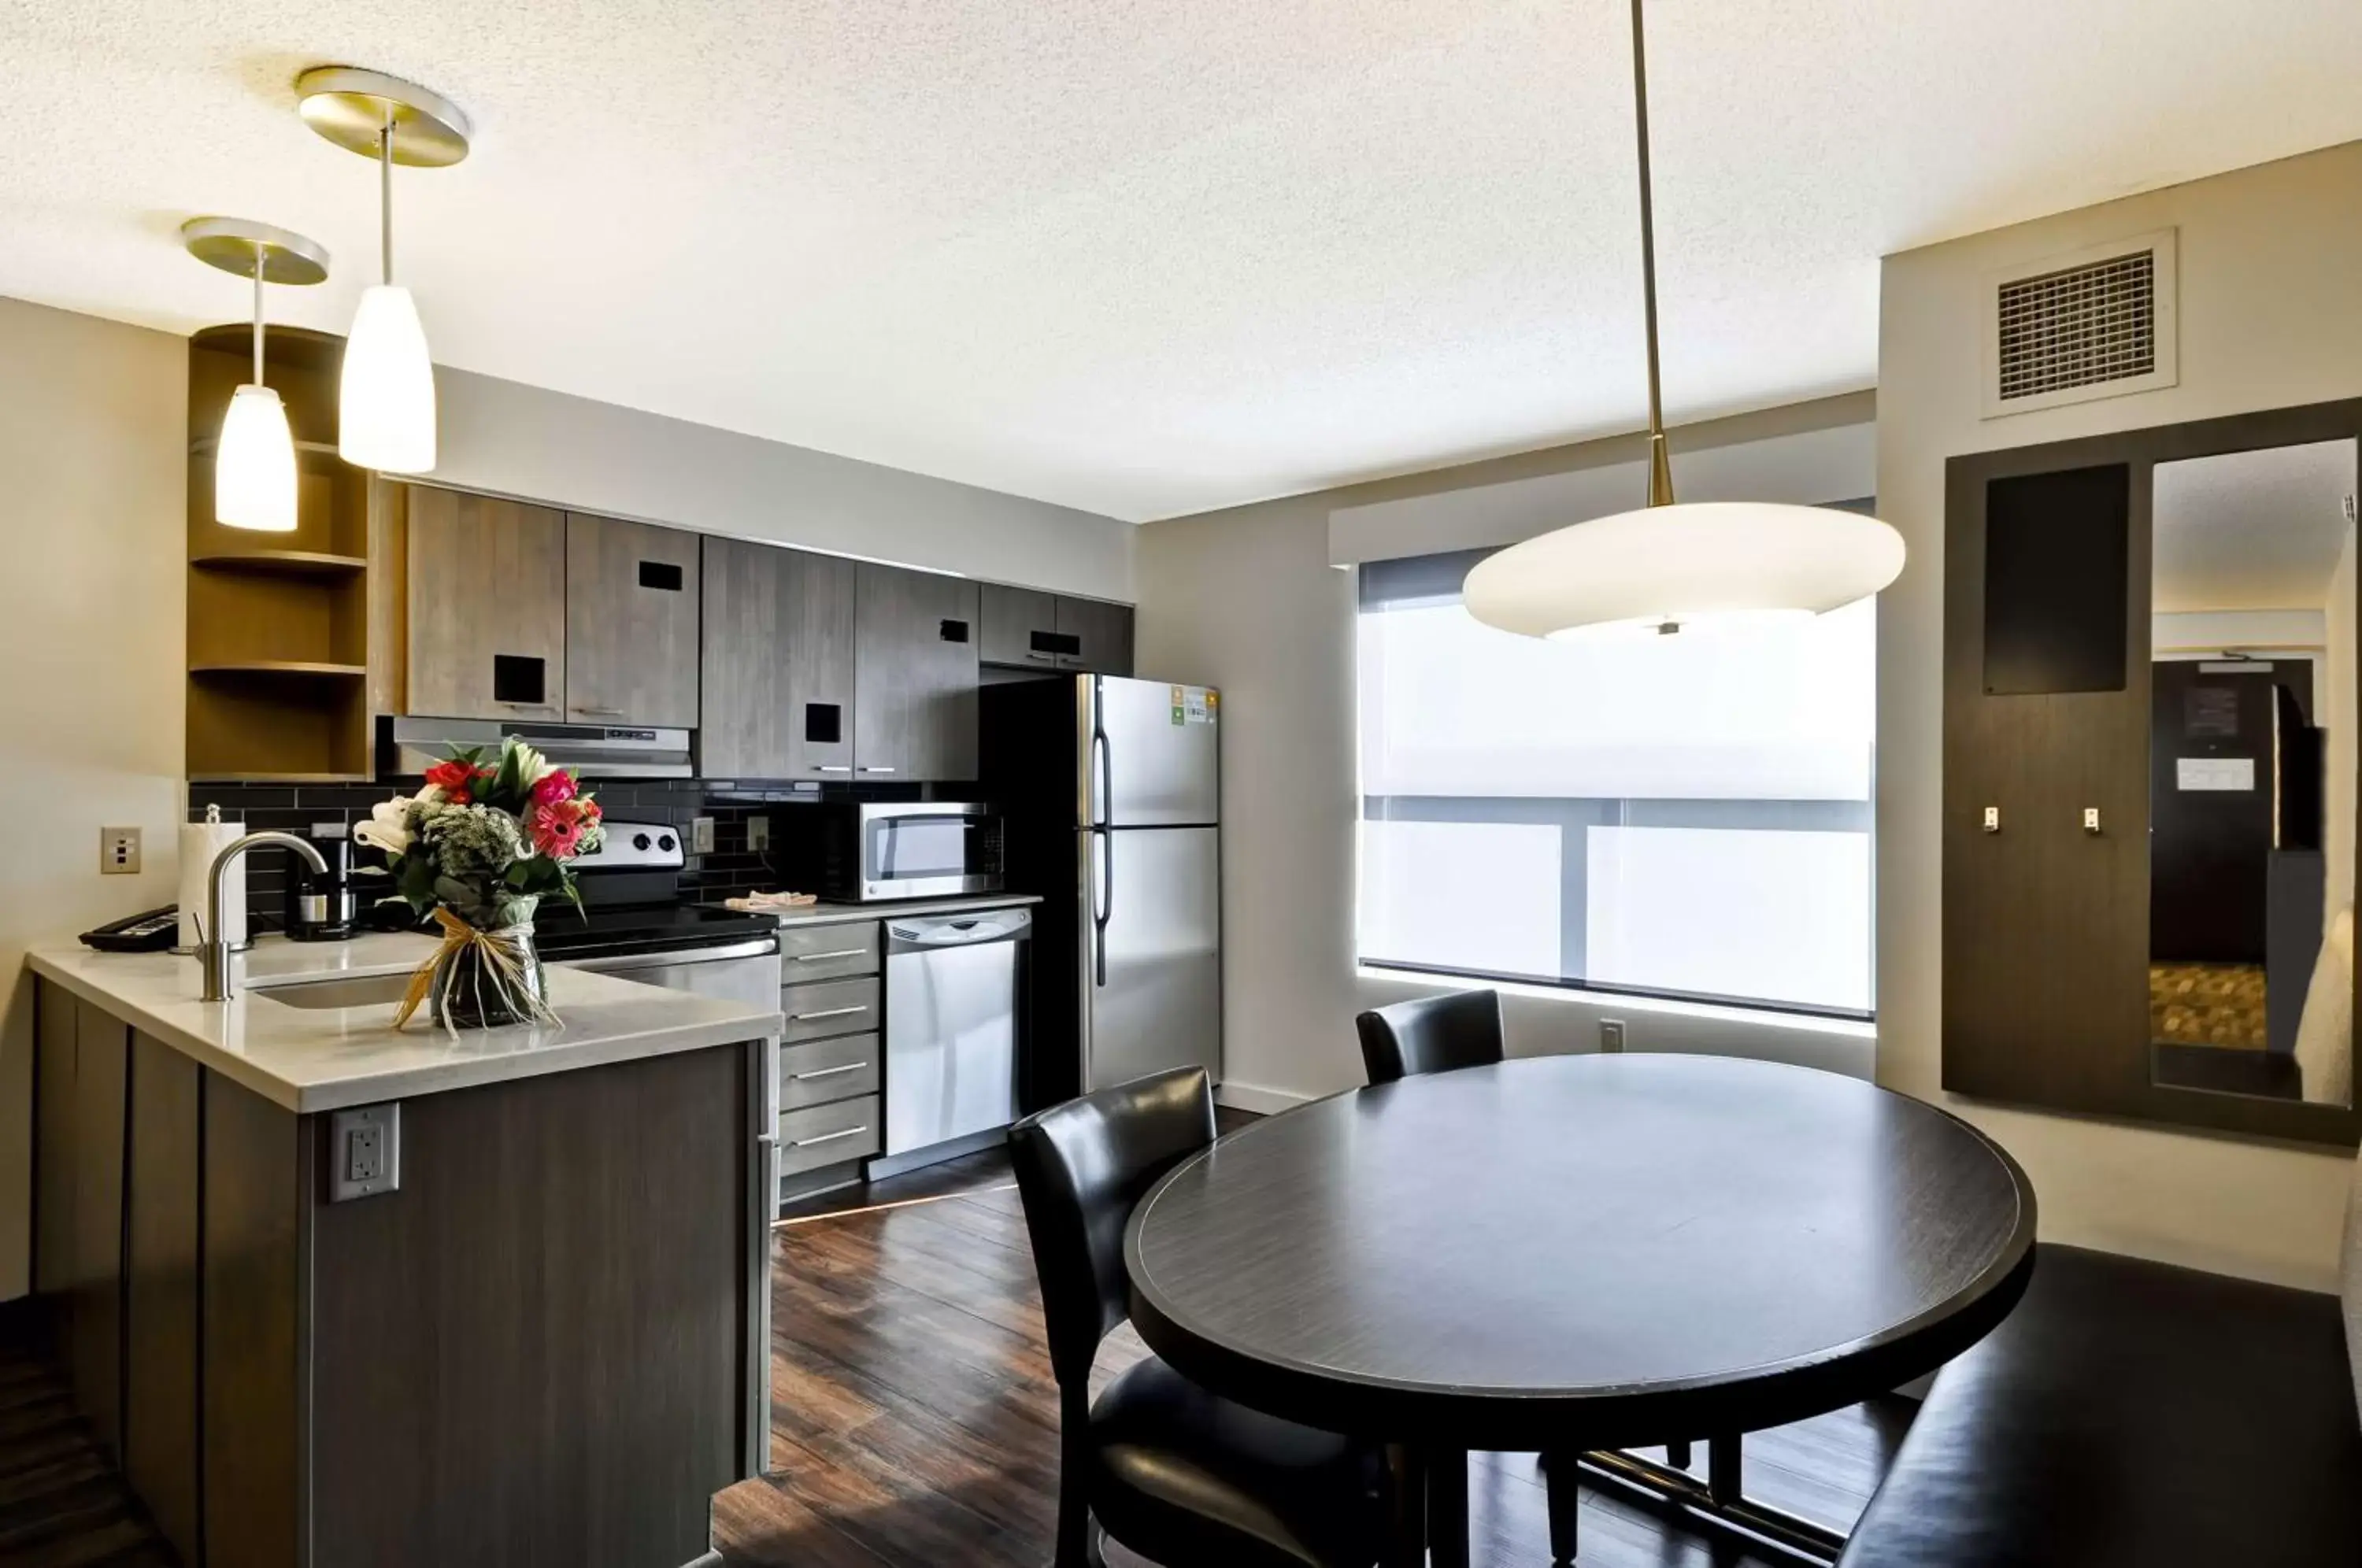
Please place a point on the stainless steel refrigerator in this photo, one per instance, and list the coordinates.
(1110, 791)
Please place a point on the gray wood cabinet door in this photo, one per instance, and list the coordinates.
(632, 592)
(486, 604)
(1020, 627)
(1102, 635)
(914, 701)
(776, 697)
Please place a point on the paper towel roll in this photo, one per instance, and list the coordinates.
(200, 842)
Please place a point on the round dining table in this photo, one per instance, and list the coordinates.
(1568, 1254)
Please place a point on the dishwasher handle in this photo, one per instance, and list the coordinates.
(925, 935)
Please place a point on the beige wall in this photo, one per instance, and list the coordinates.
(93, 440)
(1246, 599)
(538, 445)
(2271, 315)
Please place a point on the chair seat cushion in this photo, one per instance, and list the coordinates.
(1186, 1478)
(2131, 1415)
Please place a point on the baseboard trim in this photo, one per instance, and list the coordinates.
(1261, 1100)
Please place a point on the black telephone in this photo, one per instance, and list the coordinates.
(153, 931)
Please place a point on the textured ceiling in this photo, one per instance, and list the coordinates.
(1142, 257)
(2251, 530)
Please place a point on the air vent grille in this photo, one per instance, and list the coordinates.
(2078, 327)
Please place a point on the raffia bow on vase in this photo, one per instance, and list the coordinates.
(479, 979)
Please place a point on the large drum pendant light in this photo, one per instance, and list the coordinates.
(385, 414)
(1669, 566)
(254, 459)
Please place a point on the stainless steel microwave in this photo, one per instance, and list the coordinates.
(864, 850)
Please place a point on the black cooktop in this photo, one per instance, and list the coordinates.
(562, 933)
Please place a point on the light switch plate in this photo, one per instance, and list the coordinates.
(700, 835)
(1611, 1034)
(364, 1151)
(118, 852)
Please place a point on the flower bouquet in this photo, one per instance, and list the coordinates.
(479, 847)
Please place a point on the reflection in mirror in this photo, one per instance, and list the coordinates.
(2252, 807)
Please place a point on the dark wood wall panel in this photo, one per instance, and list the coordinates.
(474, 1314)
(159, 1440)
(53, 1189)
(255, 1173)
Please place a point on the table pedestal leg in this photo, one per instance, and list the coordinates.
(1565, 1505)
(1407, 1538)
(1447, 1507)
(1724, 1477)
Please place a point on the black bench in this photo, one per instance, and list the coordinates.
(2133, 1415)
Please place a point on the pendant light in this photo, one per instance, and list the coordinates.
(386, 397)
(1667, 566)
(254, 459)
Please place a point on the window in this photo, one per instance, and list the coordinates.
(1684, 816)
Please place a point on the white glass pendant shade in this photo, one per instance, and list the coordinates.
(254, 465)
(386, 398)
(1704, 562)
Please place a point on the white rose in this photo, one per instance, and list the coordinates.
(388, 827)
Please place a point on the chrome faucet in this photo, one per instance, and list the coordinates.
(213, 947)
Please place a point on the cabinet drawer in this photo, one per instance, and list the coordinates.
(831, 1007)
(829, 1134)
(825, 952)
(827, 1070)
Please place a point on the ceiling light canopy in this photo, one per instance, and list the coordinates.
(254, 459)
(386, 395)
(1668, 566)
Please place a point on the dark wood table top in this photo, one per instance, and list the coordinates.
(1609, 1249)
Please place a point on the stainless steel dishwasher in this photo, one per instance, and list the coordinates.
(951, 1032)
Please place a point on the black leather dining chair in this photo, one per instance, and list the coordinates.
(1167, 1469)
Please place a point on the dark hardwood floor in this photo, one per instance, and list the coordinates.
(62, 1504)
(915, 1419)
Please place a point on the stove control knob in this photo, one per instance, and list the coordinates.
(665, 842)
(639, 841)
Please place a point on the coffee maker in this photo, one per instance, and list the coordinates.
(320, 904)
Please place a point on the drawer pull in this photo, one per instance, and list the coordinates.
(829, 1072)
(840, 953)
(827, 1012)
(833, 767)
(829, 1137)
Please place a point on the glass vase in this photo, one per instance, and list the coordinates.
(490, 981)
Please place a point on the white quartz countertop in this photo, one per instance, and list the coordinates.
(310, 1059)
(826, 913)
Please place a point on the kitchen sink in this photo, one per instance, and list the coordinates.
(360, 990)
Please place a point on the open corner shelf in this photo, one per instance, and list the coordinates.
(266, 778)
(282, 563)
(275, 667)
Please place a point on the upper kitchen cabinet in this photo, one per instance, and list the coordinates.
(1025, 629)
(632, 594)
(914, 704)
(487, 606)
(776, 696)
(1095, 636)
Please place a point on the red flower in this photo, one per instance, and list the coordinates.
(556, 827)
(554, 787)
(455, 779)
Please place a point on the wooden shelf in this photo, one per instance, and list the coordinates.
(297, 666)
(204, 446)
(283, 779)
(282, 563)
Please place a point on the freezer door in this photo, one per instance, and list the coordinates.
(1151, 754)
(1151, 980)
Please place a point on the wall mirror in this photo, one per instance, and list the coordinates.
(2252, 734)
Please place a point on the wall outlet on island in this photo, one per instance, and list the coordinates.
(366, 1144)
(118, 852)
(1611, 1034)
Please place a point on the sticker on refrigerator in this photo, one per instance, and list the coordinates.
(1193, 706)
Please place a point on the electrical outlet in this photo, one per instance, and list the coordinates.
(700, 835)
(1611, 1034)
(365, 1145)
(758, 833)
(118, 852)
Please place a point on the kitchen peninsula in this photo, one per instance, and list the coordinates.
(539, 1333)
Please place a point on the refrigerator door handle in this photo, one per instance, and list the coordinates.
(1102, 777)
(1102, 904)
